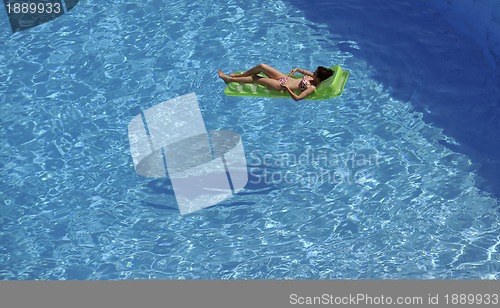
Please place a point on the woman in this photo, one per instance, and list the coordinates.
(276, 80)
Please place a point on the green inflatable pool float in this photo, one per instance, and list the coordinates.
(332, 87)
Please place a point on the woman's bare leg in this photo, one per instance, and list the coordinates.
(271, 72)
(243, 79)
(267, 82)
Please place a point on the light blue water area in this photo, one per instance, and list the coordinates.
(358, 187)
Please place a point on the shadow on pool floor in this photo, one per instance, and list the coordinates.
(420, 59)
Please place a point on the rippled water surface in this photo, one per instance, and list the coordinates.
(359, 187)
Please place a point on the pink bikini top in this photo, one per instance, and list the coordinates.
(303, 83)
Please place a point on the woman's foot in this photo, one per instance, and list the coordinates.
(224, 77)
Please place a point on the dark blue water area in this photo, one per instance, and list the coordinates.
(420, 58)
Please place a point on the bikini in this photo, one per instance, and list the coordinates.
(302, 84)
(283, 80)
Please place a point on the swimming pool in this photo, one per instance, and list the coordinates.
(371, 185)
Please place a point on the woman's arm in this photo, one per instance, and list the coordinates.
(302, 95)
(303, 72)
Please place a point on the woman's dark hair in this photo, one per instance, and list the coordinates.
(323, 73)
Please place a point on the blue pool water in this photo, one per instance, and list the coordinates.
(389, 180)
